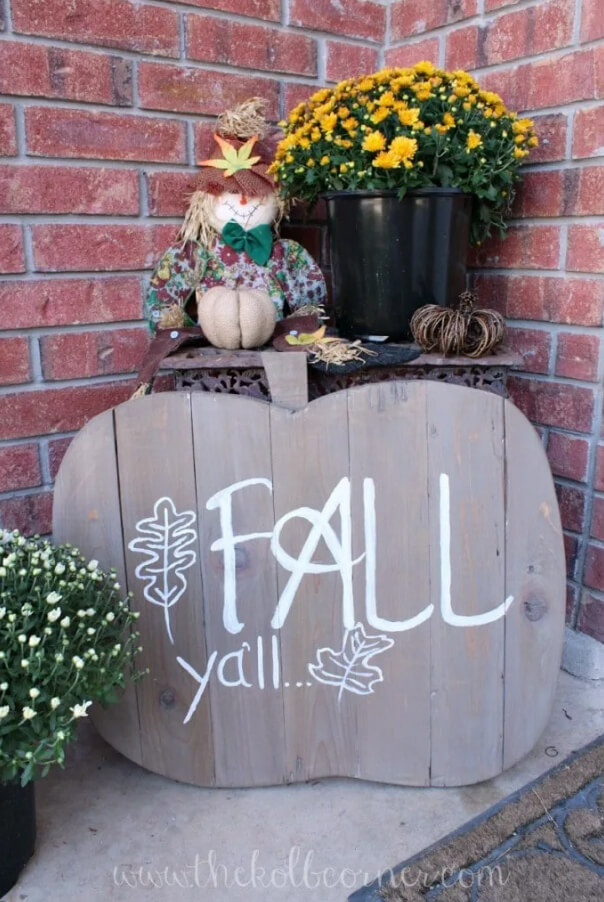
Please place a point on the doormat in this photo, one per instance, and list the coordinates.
(544, 843)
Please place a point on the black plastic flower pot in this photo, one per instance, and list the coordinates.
(17, 831)
(391, 256)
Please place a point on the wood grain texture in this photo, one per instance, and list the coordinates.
(91, 520)
(349, 486)
(388, 416)
(155, 460)
(252, 713)
(536, 575)
(465, 441)
(287, 376)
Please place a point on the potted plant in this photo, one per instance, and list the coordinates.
(412, 163)
(65, 641)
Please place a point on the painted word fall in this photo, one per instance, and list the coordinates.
(230, 670)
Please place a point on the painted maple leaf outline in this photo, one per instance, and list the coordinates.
(164, 538)
(349, 668)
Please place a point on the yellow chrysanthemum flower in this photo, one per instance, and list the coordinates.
(473, 140)
(519, 153)
(520, 126)
(387, 99)
(387, 160)
(408, 116)
(533, 141)
(380, 114)
(374, 141)
(324, 160)
(320, 96)
(424, 67)
(315, 134)
(404, 148)
(329, 122)
(366, 84)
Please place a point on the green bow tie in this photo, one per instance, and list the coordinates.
(256, 242)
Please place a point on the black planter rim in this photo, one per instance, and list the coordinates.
(393, 192)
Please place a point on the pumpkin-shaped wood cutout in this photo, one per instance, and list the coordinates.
(370, 586)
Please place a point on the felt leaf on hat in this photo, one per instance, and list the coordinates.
(233, 160)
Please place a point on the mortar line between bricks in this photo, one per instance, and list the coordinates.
(284, 14)
(8, 18)
(28, 440)
(75, 329)
(552, 327)
(82, 382)
(35, 359)
(44, 456)
(558, 380)
(576, 34)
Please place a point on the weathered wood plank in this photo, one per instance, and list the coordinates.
(86, 513)
(159, 513)
(310, 460)
(287, 376)
(466, 489)
(392, 584)
(535, 575)
(234, 483)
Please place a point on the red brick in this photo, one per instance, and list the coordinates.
(169, 192)
(56, 452)
(8, 132)
(588, 131)
(463, 50)
(599, 475)
(506, 38)
(568, 455)
(14, 361)
(19, 467)
(77, 248)
(74, 355)
(529, 247)
(108, 23)
(551, 130)
(417, 17)
(534, 345)
(409, 54)
(585, 248)
(257, 9)
(176, 88)
(11, 249)
(577, 356)
(597, 518)
(53, 132)
(58, 189)
(593, 571)
(592, 21)
(350, 60)
(572, 507)
(584, 191)
(52, 410)
(528, 31)
(498, 4)
(30, 514)
(591, 617)
(213, 40)
(65, 302)
(205, 145)
(571, 549)
(541, 193)
(555, 299)
(554, 403)
(355, 18)
(295, 93)
(546, 82)
(39, 71)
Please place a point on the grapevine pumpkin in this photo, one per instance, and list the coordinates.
(464, 330)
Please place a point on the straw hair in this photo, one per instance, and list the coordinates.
(244, 120)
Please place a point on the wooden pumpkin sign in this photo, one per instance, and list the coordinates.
(369, 586)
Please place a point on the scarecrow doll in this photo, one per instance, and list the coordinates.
(229, 259)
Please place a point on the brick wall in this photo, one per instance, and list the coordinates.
(108, 103)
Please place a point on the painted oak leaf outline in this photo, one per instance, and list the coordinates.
(164, 540)
(350, 668)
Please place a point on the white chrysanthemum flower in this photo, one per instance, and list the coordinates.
(12, 617)
(93, 565)
(65, 622)
(60, 735)
(34, 692)
(2, 612)
(36, 571)
(33, 641)
(90, 631)
(3, 686)
(54, 614)
(2, 571)
(80, 710)
(22, 572)
(59, 568)
(77, 662)
(53, 597)
(24, 663)
(110, 617)
(90, 612)
(55, 702)
(28, 713)
(59, 657)
(47, 632)
(81, 613)
(22, 638)
(4, 709)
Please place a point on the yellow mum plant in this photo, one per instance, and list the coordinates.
(400, 129)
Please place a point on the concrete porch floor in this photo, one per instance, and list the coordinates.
(108, 830)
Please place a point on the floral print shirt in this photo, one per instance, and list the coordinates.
(291, 277)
